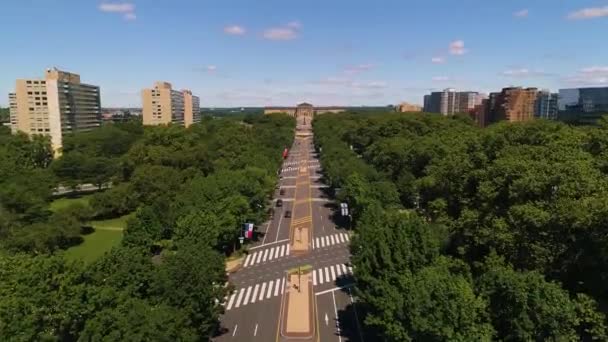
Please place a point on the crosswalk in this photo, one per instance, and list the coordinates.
(296, 168)
(330, 240)
(330, 273)
(266, 255)
(256, 293)
(273, 288)
(292, 163)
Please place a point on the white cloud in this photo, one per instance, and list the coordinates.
(357, 69)
(438, 60)
(457, 48)
(127, 9)
(296, 25)
(524, 73)
(235, 30)
(440, 79)
(589, 76)
(521, 14)
(589, 13)
(595, 70)
(211, 68)
(287, 32)
(370, 85)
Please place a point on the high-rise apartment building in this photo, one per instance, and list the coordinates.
(584, 105)
(546, 105)
(514, 104)
(163, 105)
(54, 106)
(450, 102)
(192, 109)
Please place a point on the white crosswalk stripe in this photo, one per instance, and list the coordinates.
(247, 260)
(266, 255)
(330, 273)
(246, 299)
(329, 240)
(262, 291)
(277, 287)
(254, 295)
(238, 299)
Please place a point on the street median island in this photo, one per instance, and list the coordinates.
(297, 319)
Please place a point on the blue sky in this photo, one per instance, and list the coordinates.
(327, 52)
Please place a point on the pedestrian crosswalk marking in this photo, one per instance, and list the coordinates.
(254, 296)
(262, 291)
(269, 254)
(326, 241)
(322, 275)
(238, 300)
(255, 293)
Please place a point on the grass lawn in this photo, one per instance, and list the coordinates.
(65, 202)
(94, 245)
(107, 234)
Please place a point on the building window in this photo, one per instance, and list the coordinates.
(28, 82)
(31, 108)
(29, 93)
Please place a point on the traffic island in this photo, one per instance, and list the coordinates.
(297, 319)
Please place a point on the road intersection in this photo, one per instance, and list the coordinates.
(309, 237)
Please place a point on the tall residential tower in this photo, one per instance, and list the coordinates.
(54, 106)
(163, 105)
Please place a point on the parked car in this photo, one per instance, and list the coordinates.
(279, 203)
(288, 214)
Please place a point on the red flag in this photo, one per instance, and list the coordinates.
(285, 153)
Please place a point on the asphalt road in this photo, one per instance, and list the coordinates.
(252, 311)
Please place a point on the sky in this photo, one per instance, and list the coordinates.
(326, 52)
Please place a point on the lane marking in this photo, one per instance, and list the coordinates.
(314, 277)
(235, 327)
(332, 240)
(283, 285)
(347, 286)
(344, 269)
(287, 250)
(279, 229)
(327, 275)
(257, 261)
(270, 243)
(336, 313)
(282, 251)
(255, 332)
(320, 276)
(265, 255)
(333, 274)
(276, 253)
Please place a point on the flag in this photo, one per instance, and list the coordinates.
(249, 231)
(285, 153)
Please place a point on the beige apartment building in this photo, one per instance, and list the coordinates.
(56, 105)
(162, 105)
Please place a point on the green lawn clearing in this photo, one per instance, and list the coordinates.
(65, 202)
(107, 234)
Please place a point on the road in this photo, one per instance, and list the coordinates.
(252, 311)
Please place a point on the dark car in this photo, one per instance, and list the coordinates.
(282, 192)
(279, 203)
(288, 214)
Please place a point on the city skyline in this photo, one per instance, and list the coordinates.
(343, 53)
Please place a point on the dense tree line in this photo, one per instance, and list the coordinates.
(465, 233)
(191, 190)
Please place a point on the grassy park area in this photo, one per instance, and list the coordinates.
(107, 234)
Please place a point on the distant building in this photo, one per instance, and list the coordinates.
(54, 106)
(514, 104)
(546, 105)
(405, 107)
(583, 105)
(163, 105)
(303, 109)
(450, 102)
